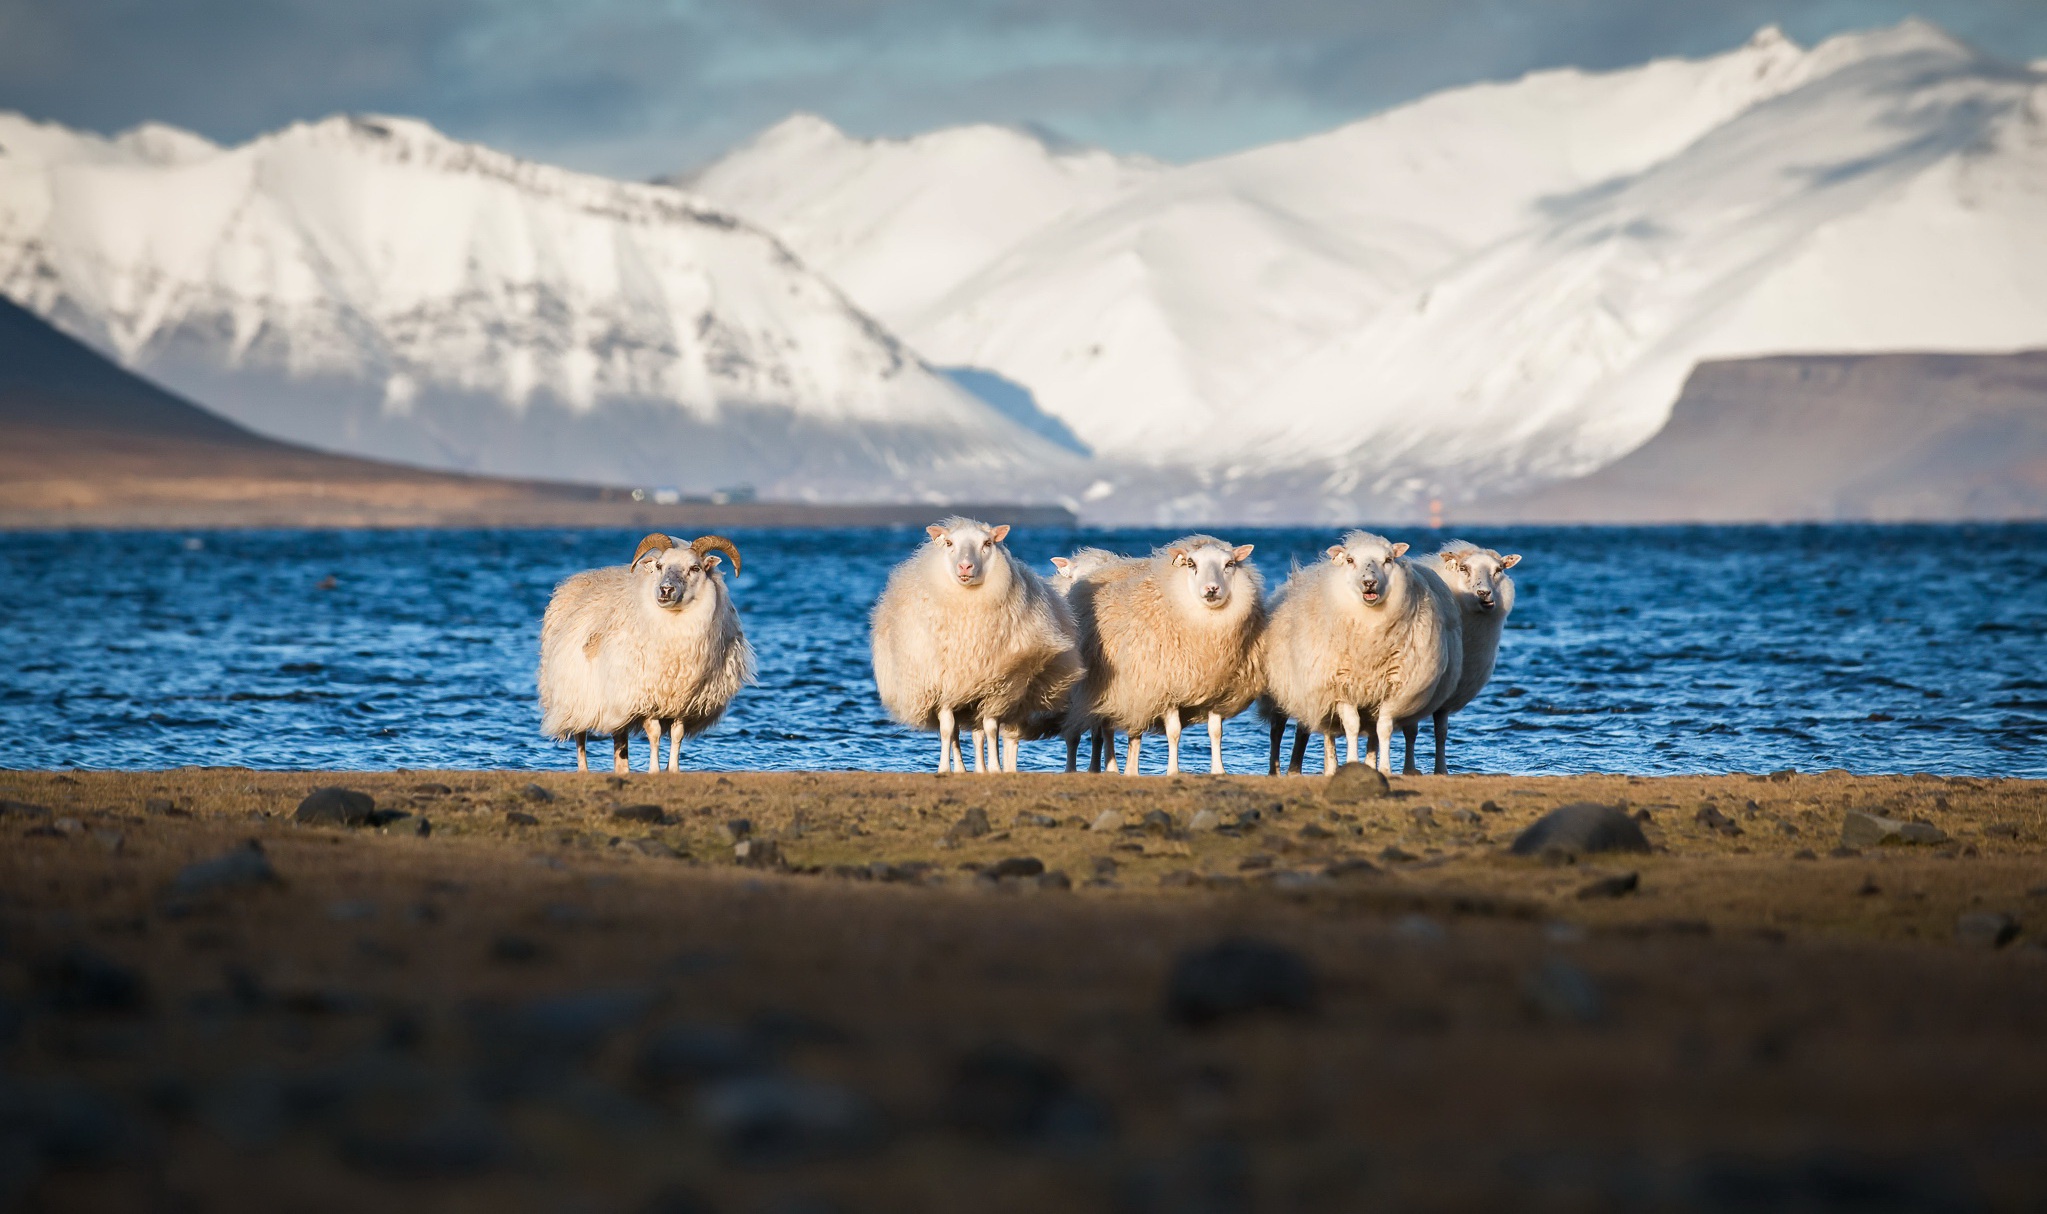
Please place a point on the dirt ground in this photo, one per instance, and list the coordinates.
(814, 992)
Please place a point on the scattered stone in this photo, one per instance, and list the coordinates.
(1986, 929)
(1490, 807)
(1236, 977)
(436, 790)
(1869, 888)
(245, 867)
(1158, 822)
(1393, 855)
(738, 830)
(1464, 817)
(1355, 866)
(758, 853)
(1710, 817)
(1040, 820)
(1055, 880)
(2002, 830)
(163, 807)
(1253, 862)
(534, 792)
(1008, 1093)
(652, 815)
(772, 1120)
(1204, 820)
(1581, 828)
(1424, 816)
(649, 846)
(519, 817)
(1105, 866)
(1618, 886)
(335, 807)
(973, 824)
(1316, 831)
(1843, 853)
(1560, 991)
(1354, 782)
(1108, 819)
(1014, 866)
(1859, 829)
(1804, 853)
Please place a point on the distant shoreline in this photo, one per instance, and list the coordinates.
(360, 515)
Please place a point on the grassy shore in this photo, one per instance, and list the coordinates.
(575, 992)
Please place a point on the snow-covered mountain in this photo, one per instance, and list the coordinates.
(1492, 286)
(369, 285)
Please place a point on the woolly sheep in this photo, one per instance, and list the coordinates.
(963, 627)
(1478, 582)
(1085, 562)
(1362, 637)
(1170, 637)
(655, 643)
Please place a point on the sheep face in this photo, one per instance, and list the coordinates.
(969, 551)
(672, 578)
(1477, 572)
(1366, 562)
(1212, 570)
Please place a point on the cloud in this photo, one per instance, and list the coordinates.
(641, 87)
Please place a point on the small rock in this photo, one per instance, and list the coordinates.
(1393, 855)
(1859, 829)
(1424, 816)
(534, 792)
(335, 807)
(1014, 866)
(1108, 819)
(1489, 807)
(1582, 828)
(758, 853)
(246, 867)
(972, 824)
(1105, 866)
(1204, 820)
(1618, 886)
(652, 815)
(738, 830)
(1158, 822)
(1354, 782)
(1923, 833)
(164, 807)
(648, 846)
(1869, 888)
(420, 827)
(1236, 977)
(1804, 853)
(1315, 831)
(1464, 817)
(1710, 817)
(1055, 880)
(1252, 863)
(1355, 866)
(520, 817)
(1038, 820)
(434, 790)
(1560, 991)
(2002, 830)
(1986, 929)
(775, 1120)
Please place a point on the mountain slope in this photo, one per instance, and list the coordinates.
(1499, 285)
(371, 286)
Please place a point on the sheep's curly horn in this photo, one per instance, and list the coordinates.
(651, 543)
(706, 543)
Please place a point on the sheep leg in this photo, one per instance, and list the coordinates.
(1073, 750)
(1094, 749)
(947, 732)
(1413, 730)
(653, 744)
(1215, 743)
(992, 731)
(974, 733)
(1348, 713)
(1136, 743)
(675, 746)
(1278, 728)
(1328, 753)
(1012, 740)
(1385, 730)
(1442, 742)
(582, 750)
(1173, 741)
(620, 760)
(1300, 755)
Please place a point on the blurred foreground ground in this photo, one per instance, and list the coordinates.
(573, 995)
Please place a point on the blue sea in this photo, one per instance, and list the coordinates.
(1640, 650)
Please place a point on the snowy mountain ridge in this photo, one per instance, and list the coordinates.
(1490, 286)
(369, 285)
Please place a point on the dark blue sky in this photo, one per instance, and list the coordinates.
(641, 88)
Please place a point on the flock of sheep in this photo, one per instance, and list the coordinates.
(966, 637)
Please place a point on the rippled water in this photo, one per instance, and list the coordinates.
(1639, 650)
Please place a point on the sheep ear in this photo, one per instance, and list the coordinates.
(1447, 557)
(1508, 562)
(1399, 550)
(934, 531)
(656, 542)
(1061, 564)
(1333, 551)
(999, 533)
(1242, 552)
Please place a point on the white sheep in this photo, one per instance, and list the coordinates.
(1484, 594)
(655, 643)
(1085, 562)
(1362, 637)
(1171, 637)
(963, 627)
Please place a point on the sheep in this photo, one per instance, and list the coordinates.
(1361, 636)
(1085, 562)
(962, 626)
(1478, 582)
(648, 644)
(1170, 636)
